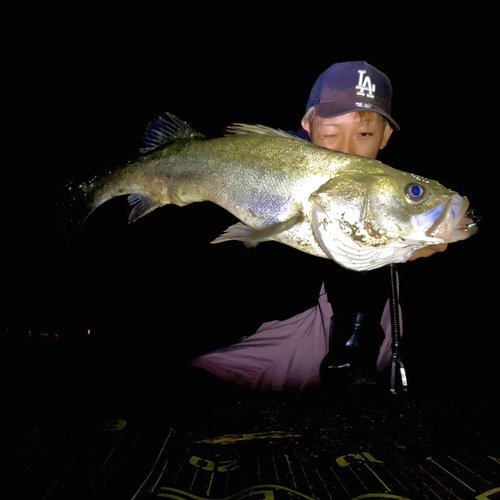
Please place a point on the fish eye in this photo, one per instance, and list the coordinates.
(415, 192)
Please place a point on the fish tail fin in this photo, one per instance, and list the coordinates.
(72, 208)
(80, 201)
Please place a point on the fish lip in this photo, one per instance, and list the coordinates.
(469, 221)
(451, 219)
(466, 227)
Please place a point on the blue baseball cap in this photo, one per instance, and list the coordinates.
(352, 86)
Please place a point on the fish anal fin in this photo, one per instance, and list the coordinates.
(141, 206)
(252, 237)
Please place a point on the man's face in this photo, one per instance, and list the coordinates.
(349, 134)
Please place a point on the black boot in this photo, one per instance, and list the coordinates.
(358, 300)
(354, 348)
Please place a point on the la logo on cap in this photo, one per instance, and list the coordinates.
(365, 85)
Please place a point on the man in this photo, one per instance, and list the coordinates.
(349, 110)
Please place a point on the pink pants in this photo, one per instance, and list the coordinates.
(284, 355)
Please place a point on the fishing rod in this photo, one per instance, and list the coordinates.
(396, 335)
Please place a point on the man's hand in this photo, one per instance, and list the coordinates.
(428, 251)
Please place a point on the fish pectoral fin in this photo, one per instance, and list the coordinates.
(141, 206)
(252, 237)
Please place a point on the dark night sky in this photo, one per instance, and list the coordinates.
(84, 91)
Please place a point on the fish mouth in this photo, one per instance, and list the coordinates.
(448, 222)
(466, 227)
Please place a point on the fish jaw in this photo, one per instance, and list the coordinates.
(446, 223)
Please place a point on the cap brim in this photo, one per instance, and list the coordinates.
(338, 108)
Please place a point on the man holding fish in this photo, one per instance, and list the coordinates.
(349, 110)
(326, 196)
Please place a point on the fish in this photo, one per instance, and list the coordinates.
(356, 211)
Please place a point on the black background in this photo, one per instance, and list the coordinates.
(82, 87)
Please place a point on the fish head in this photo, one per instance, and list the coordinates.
(371, 218)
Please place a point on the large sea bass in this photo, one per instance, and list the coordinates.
(354, 210)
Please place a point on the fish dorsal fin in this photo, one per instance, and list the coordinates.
(166, 130)
(244, 129)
